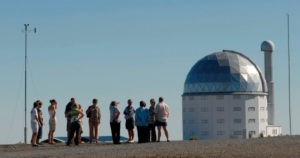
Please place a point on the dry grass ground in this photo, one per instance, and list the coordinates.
(277, 147)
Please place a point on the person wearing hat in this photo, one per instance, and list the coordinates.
(115, 122)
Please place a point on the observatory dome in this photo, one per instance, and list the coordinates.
(225, 72)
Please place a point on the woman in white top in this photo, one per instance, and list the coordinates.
(52, 120)
(34, 124)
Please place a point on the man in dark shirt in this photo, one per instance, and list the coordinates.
(69, 107)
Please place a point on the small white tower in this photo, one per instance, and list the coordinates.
(268, 47)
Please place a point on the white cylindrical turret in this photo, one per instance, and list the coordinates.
(268, 47)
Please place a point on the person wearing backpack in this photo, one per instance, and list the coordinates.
(129, 116)
(94, 115)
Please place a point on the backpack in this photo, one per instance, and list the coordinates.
(88, 112)
(93, 112)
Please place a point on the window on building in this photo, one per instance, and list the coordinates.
(251, 108)
(220, 108)
(204, 121)
(220, 133)
(237, 132)
(203, 109)
(262, 108)
(236, 97)
(237, 108)
(191, 110)
(220, 120)
(204, 133)
(220, 97)
(251, 121)
(237, 121)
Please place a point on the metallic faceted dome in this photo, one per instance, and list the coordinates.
(225, 72)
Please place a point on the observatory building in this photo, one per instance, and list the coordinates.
(226, 96)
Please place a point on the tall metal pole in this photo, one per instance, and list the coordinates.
(25, 98)
(25, 128)
(289, 67)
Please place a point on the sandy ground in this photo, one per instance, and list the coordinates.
(279, 147)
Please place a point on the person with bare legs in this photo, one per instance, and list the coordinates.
(41, 121)
(94, 115)
(34, 124)
(161, 115)
(129, 116)
(52, 120)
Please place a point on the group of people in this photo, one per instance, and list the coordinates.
(37, 122)
(145, 119)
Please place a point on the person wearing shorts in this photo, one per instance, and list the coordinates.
(34, 124)
(129, 116)
(52, 120)
(162, 114)
(41, 121)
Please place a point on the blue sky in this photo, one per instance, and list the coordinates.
(115, 50)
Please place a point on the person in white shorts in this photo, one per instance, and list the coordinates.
(161, 115)
(34, 124)
(52, 120)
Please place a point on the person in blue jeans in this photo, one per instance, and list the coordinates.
(141, 121)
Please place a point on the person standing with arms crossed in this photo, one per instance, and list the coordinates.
(162, 114)
(129, 116)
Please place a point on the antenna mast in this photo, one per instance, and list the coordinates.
(289, 67)
(25, 98)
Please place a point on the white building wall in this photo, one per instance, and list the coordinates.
(273, 130)
(221, 116)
